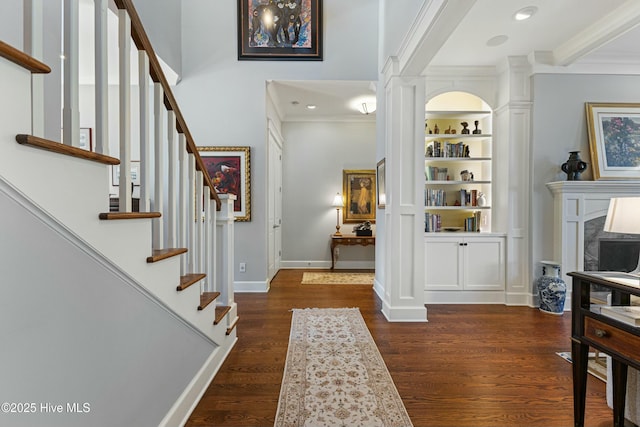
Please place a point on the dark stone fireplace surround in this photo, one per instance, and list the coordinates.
(626, 247)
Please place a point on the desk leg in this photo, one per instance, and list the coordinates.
(619, 371)
(580, 357)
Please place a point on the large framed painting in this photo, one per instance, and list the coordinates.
(280, 30)
(230, 171)
(614, 140)
(359, 189)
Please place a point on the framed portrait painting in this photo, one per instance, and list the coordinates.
(359, 189)
(614, 140)
(230, 171)
(280, 30)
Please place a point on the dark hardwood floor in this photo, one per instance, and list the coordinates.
(470, 365)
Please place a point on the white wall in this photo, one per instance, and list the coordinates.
(223, 99)
(559, 126)
(75, 331)
(396, 14)
(315, 155)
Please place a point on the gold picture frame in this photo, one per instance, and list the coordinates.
(359, 189)
(230, 171)
(614, 140)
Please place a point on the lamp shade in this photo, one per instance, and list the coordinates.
(623, 215)
(337, 201)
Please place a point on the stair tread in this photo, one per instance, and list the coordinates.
(189, 279)
(66, 150)
(232, 327)
(23, 59)
(221, 311)
(160, 254)
(129, 215)
(207, 298)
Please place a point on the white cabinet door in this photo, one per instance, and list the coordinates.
(443, 264)
(484, 263)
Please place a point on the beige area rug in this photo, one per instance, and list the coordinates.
(335, 376)
(330, 278)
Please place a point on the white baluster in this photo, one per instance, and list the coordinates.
(211, 241)
(183, 199)
(171, 190)
(158, 134)
(145, 149)
(206, 241)
(124, 44)
(101, 11)
(34, 46)
(199, 223)
(70, 109)
(191, 214)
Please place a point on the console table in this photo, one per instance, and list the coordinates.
(617, 339)
(349, 240)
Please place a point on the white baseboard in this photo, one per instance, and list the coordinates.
(340, 265)
(256, 286)
(179, 413)
(404, 314)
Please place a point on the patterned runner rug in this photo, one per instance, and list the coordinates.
(334, 374)
(327, 278)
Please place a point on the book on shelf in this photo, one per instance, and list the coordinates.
(432, 222)
(434, 173)
(627, 314)
(447, 149)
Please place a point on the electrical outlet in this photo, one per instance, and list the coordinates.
(243, 267)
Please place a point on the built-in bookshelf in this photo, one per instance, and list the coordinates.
(458, 161)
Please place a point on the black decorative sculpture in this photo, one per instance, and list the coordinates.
(574, 166)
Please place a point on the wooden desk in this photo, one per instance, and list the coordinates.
(617, 339)
(349, 240)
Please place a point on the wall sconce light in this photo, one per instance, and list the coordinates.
(338, 203)
(622, 217)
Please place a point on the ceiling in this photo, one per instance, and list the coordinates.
(569, 34)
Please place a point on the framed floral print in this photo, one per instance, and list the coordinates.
(614, 140)
(230, 171)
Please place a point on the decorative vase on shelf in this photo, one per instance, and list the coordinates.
(574, 166)
(481, 200)
(551, 289)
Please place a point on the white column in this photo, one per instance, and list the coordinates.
(101, 134)
(512, 160)
(404, 213)
(70, 109)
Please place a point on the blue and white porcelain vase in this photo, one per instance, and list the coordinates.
(551, 289)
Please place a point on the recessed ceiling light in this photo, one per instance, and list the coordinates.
(497, 40)
(311, 107)
(294, 103)
(525, 13)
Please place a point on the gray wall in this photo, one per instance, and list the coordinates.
(396, 14)
(223, 99)
(162, 20)
(73, 331)
(315, 155)
(559, 126)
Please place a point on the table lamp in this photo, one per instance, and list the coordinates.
(623, 216)
(338, 203)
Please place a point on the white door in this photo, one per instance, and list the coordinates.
(274, 222)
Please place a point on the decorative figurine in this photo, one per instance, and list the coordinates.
(436, 130)
(476, 131)
(447, 131)
(465, 131)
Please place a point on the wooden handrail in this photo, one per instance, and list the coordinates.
(139, 36)
(22, 59)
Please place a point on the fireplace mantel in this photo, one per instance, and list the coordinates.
(574, 203)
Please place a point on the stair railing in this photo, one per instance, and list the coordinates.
(179, 188)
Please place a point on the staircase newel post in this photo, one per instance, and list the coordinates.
(225, 251)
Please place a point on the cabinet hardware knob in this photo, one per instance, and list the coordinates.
(600, 333)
